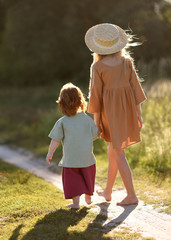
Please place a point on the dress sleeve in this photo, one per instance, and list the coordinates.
(136, 87)
(57, 132)
(95, 91)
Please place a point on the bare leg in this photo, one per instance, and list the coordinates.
(112, 172)
(75, 204)
(88, 199)
(126, 176)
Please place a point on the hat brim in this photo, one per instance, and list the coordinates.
(89, 40)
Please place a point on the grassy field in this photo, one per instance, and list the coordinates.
(32, 209)
(27, 116)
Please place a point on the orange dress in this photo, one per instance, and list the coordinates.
(114, 92)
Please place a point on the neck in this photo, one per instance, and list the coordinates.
(118, 54)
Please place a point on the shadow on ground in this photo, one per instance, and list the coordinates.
(62, 224)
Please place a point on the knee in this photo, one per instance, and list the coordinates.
(118, 152)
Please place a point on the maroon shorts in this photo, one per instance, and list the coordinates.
(77, 181)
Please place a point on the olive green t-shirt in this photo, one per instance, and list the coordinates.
(76, 134)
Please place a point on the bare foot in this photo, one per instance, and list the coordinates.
(128, 201)
(88, 199)
(103, 193)
(72, 205)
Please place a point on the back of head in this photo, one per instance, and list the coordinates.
(71, 100)
(109, 39)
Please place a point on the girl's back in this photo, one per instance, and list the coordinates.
(115, 97)
(113, 74)
(115, 93)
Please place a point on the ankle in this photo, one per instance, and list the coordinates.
(108, 191)
(132, 195)
(76, 200)
(87, 196)
(73, 206)
(88, 199)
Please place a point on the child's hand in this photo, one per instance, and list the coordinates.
(48, 157)
(99, 131)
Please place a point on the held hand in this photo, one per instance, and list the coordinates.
(99, 132)
(48, 157)
(140, 123)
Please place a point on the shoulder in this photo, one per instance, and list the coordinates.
(128, 61)
(128, 64)
(91, 121)
(96, 69)
(86, 116)
(60, 121)
(96, 65)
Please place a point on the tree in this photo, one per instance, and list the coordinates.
(43, 41)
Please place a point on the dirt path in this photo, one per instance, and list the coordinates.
(142, 218)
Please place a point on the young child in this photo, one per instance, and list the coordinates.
(76, 130)
(115, 98)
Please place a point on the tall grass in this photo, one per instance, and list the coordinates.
(155, 69)
(154, 152)
(27, 116)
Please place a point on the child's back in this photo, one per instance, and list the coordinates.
(77, 133)
(76, 130)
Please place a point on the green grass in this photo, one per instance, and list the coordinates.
(151, 190)
(27, 116)
(150, 160)
(32, 209)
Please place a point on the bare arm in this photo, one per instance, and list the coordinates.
(139, 115)
(138, 110)
(97, 122)
(52, 147)
(97, 118)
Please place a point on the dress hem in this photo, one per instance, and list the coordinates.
(132, 143)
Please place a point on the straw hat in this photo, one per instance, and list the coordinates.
(106, 38)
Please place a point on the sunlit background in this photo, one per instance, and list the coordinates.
(42, 47)
(42, 42)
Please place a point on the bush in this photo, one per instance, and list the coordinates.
(42, 42)
(154, 152)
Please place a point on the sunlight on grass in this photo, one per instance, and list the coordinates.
(33, 118)
(159, 89)
(35, 209)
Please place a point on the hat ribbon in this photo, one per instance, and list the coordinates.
(106, 43)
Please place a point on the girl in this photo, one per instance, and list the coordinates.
(115, 98)
(77, 131)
